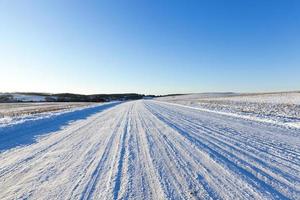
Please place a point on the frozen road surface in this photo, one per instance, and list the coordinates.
(149, 150)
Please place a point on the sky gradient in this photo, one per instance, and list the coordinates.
(151, 47)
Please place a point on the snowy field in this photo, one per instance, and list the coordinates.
(148, 149)
(11, 113)
(23, 97)
(277, 108)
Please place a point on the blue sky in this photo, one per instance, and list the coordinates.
(155, 47)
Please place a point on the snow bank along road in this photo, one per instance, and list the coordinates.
(152, 150)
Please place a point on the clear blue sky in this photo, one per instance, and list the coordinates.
(147, 47)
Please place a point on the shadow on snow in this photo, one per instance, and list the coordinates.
(27, 132)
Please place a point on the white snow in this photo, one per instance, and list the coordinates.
(274, 98)
(246, 117)
(15, 113)
(24, 98)
(191, 97)
(278, 108)
(151, 150)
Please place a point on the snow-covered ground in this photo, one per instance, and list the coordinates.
(13, 113)
(278, 108)
(24, 97)
(149, 149)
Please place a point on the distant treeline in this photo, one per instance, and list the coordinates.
(95, 97)
(69, 97)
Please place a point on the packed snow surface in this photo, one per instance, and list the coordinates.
(150, 150)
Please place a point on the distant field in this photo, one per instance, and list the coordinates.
(274, 98)
(279, 107)
(17, 109)
(279, 97)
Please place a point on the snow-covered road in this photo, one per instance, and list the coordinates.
(154, 150)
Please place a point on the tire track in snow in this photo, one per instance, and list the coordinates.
(188, 156)
(90, 187)
(226, 157)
